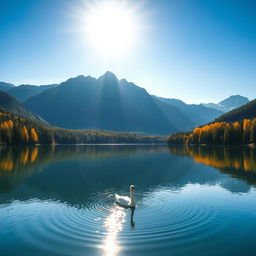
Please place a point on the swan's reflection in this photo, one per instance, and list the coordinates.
(132, 215)
(113, 224)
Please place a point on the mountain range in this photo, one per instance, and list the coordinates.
(233, 102)
(24, 91)
(198, 114)
(107, 103)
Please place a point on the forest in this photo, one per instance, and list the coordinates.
(219, 133)
(19, 130)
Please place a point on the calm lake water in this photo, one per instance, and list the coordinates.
(190, 200)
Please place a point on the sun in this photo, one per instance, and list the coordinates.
(111, 27)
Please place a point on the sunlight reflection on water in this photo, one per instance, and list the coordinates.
(113, 225)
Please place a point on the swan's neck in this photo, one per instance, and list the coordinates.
(132, 198)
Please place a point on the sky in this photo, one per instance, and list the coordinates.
(194, 50)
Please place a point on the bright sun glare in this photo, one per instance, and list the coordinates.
(111, 27)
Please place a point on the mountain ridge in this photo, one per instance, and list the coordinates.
(228, 104)
(198, 114)
(106, 103)
(24, 91)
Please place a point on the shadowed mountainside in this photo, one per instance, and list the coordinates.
(10, 104)
(198, 114)
(109, 104)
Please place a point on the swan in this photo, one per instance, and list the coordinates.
(126, 201)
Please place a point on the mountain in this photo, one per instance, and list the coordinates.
(10, 104)
(6, 86)
(247, 111)
(198, 114)
(228, 104)
(109, 104)
(25, 91)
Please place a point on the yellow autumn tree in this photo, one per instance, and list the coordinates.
(34, 136)
(7, 125)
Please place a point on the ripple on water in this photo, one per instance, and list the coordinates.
(172, 217)
(161, 217)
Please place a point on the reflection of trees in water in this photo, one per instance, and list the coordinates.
(18, 162)
(233, 160)
(16, 158)
(239, 158)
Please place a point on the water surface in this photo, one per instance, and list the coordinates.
(190, 200)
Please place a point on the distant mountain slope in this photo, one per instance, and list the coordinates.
(25, 91)
(198, 114)
(228, 104)
(106, 103)
(10, 104)
(247, 111)
(6, 86)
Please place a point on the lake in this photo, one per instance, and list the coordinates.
(190, 200)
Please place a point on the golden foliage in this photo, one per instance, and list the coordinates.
(236, 125)
(246, 124)
(241, 162)
(24, 156)
(7, 125)
(6, 165)
(209, 127)
(34, 154)
(34, 136)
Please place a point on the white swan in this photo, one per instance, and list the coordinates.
(126, 201)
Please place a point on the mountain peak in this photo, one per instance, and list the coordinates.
(235, 98)
(109, 75)
(233, 102)
(228, 104)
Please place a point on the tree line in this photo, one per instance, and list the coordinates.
(219, 133)
(19, 130)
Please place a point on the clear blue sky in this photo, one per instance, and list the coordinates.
(194, 50)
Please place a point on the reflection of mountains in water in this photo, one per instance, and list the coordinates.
(18, 162)
(90, 174)
(240, 162)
